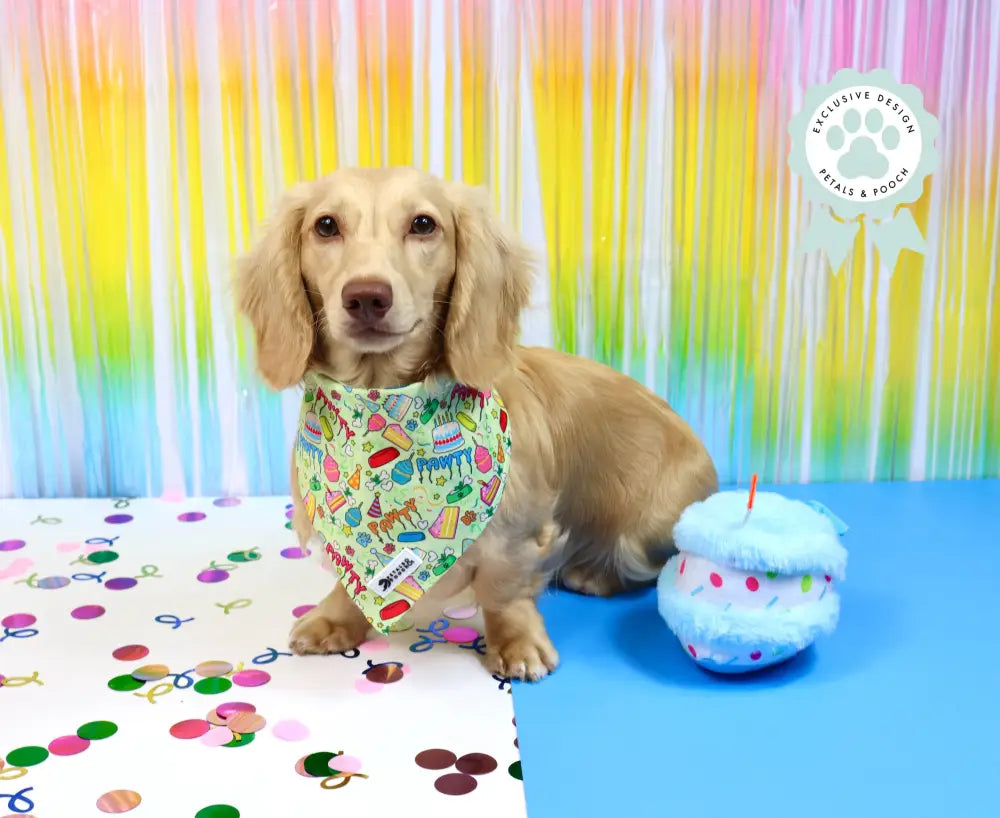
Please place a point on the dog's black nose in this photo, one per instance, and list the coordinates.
(367, 300)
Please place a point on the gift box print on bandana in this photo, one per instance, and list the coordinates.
(399, 483)
(144, 670)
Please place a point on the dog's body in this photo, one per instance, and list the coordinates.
(601, 468)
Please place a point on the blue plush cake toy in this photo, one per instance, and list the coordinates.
(753, 582)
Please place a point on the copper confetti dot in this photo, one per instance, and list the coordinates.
(435, 759)
(118, 801)
(246, 722)
(476, 764)
(190, 728)
(455, 784)
(229, 708)
(384, 674)
(150, 673)
(300, 768)
(130, 653)
(213, 668)
(213, 717)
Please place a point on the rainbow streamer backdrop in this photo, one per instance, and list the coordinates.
(639, 145)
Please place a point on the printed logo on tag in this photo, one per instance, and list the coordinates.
(386, 580)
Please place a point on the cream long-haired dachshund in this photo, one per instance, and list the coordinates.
(385, 277)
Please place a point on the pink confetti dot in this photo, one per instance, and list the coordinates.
(346, 764)
(460, 612)
(290, 730)
(251, 678)
(18, 620)
(172, 496)
(191, 516)
(375, 645)
(362, 685)
(87, 612)
(301, 610)
(231, 708)
(460, 635)
(68, 745)
(17, 567)
(217, 736)
(683, 564)
(753, 584)
(755, 655)
(66, 547)
(213, 575)
(130, 653)
(295, 553)
(692, 651)
(190, 728)
(715, 579)
(11, 545)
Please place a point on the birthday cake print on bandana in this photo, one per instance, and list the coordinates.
(399, 483)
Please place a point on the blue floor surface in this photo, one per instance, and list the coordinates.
(897, 714)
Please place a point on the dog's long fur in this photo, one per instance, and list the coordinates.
(601, 467)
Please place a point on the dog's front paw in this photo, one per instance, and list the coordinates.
(315, 633)
(528, 657)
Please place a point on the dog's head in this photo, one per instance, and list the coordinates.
(380, 277)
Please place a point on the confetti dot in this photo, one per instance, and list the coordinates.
(18, 620)
(301, 769)
(216, 667)
(130, 653)
(772, 574)
(301, 610)
(217, 736)
(755, 655)
(102, 557)
(295, 553)
(366, 687)
(87, 612)
(515, 771)
(318, 764)
(125, 684)
(385, 674)
(246, 723)
(807, 583)
(66, 547)
(476, 764)
(692, 651)
(683, 566)
(118, 519)
(828, 578)
(27, 756)
(460, 612)
(52, 583)
(251, 678)
(375, 645)
(231, 708)
(243, 556)
(213, 575)
(460, 634)
(68, 745)
(753, 584)
(172, 496)
(210, 687)
(121, 583)
(455, 784)
(191, 516)
(12, 545)
(218, 810)
(346, 764)
(242, 741)
(435, 759)
(290, 730)
(213, 717)
(97, 730)
(118, 801)
(150, 673)
(190, 728)
(715, 579)
(226, 502)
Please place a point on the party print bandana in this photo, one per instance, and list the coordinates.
(399, 483)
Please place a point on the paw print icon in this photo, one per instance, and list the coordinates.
(864, 144)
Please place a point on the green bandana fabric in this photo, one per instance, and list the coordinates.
(399, 483)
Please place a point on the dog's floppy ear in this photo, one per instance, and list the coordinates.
(271, 294)
(492, 284)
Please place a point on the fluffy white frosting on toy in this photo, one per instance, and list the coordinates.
(781, 535)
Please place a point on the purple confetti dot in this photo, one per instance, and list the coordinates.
(118, 519)
(18, 620)
(294, 553)
(87, 612)
(121, 583)
(290, 513)
(12, 545)
(302, 610)
(213, 575)
(227, 502)
(191, 516)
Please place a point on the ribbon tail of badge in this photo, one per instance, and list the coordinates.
(839, 525)
(833, 237)
(892, 236)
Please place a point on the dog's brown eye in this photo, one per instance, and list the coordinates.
(423, 225)
(326, 226)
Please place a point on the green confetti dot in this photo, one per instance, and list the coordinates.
(318, 764)
(218, 811)
(807, 583)
(242, 741)
(243, 556)
(772, 574)
(515, 771)
(216, 684)
(125, 683)
(101, 557)
(27, 756)
(96, 730)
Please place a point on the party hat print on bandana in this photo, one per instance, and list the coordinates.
(399, 483)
